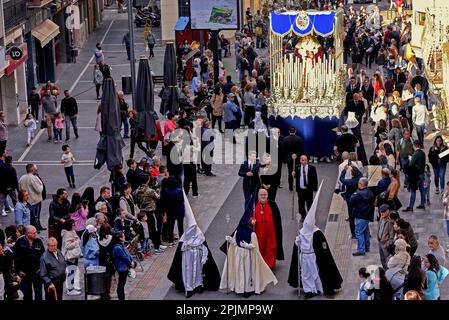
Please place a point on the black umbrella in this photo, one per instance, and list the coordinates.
(109, 148)
(145, 100)
(170, 93)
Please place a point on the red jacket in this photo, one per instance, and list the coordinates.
(158, 136)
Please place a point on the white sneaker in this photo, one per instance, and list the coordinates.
(197, 196)
(157, 251)
(4, 214)
(73, 292)
(315, 160)
(161, 247)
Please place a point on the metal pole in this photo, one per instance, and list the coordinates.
(132, 54)
(216, 56)
(294, 156)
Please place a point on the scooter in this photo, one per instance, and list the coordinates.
(141, 19)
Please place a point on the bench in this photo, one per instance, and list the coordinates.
(160, 79)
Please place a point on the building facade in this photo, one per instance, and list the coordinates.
(49, 33)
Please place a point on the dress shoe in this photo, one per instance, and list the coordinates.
(421, 207)
(310, 295)
(210, 174)
(408, 209)
(189, 294)
(356, 254)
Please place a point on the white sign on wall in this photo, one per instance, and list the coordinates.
(214, 14)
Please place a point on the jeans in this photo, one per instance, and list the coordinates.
(171, 226)
(35, 112)
(420, 133)
(421, 190)
(144, 244)
(69, 174)
(205, 76)
(155, 224)
(58, 134)
(383, 252)
(362, 234)
(125, 126)
(28, 284)
(122, 276)
(36, 214)
(447, 227)
(439, 177)
(73, 121)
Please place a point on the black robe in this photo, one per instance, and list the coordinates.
(278, 227)
(211, 275)
(327, 269)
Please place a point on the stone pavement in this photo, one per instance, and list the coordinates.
(424, 223)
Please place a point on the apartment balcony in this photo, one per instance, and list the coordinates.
(15, 13)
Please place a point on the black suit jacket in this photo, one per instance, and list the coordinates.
(250, 183)
(292, 144)
(312, 178)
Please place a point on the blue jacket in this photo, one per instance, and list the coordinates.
(362, 202)
(433, 290)
(383, 184)
(229, 108)
(91, 252)
(22, 214)
(122, 258)
(350, 184)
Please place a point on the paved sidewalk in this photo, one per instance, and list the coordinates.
(424, 223)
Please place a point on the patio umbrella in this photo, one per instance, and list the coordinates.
(145, 99)
(170, 92)
(109, 148)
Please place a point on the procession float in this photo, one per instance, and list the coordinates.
(308, 76)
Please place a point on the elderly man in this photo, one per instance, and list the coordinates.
(362, 202)
(28, 250)
(33, 184)
(437, 250)
(385, 233)
(341, 167)
(267, 224)
(100, 217)
(52, 271)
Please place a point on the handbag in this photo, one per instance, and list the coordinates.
(43, 124)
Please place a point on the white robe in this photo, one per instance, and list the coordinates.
(194, 256)
(310, 276)
(248, 271)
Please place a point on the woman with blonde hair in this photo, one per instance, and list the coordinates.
(395, 133)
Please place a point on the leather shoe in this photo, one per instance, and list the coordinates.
(310, 295)
(356, 254)
(408, 209)
(420, 207)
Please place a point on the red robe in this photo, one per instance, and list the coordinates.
(266, 233)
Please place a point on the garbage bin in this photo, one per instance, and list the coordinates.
(96, 280)
(126, 84)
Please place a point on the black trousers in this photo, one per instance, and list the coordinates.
(2, 145)
(170, 227)
(139, 143)
(154, 222)
(50, 294)
(151, 47)
(122, 276)
(35, 112)
(215, 119)
(190, 177)
(97, 88)
(351, 220)
(250, 114)
(153, 144)
(272, 193)
(290, 170)
(305, 199)
(30, 283)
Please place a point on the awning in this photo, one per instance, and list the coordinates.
(45, 32)
(182, 23)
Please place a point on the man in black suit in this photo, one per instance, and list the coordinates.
(353, 87)
(249, 170)
(292, 145)
(306, 183)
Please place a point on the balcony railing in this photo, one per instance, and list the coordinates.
(14, 12)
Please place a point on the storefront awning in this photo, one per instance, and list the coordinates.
(182, 23)
(45, 32)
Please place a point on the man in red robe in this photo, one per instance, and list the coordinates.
(268, 227)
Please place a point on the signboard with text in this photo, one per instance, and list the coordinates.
(214, 14)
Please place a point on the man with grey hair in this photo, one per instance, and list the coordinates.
(28, 250)
(52, 271)
(33, 184)
(100, 216)
(362, 202)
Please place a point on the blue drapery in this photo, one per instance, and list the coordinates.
(321, 22)
(317, 134)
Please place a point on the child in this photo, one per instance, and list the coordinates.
(59, 125)
(365, 285)
(124, 225)
(67, 160)
(144, 233)
(426, 184)
(30, 124)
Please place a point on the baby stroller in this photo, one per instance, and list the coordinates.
(135, 251)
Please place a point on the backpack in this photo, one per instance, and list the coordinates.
(396, 278)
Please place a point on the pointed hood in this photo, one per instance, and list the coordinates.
(309, 227)
(193, 236)
(244, 229)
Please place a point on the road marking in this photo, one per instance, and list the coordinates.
(53, 164)
(41, 132)
(52, 161)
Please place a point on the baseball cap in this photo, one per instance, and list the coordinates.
(384, 208)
